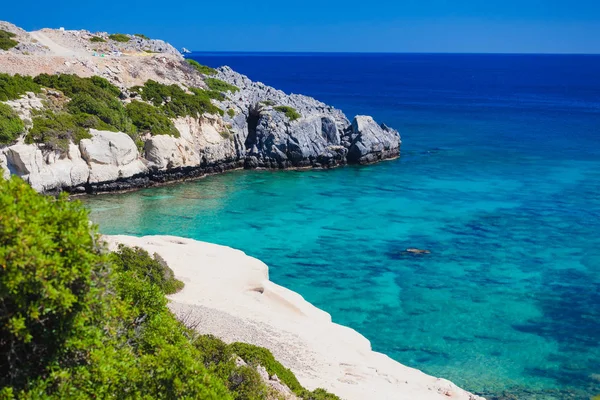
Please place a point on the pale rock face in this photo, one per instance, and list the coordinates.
(47, 170)
(111, 156)
(109, 148)
(201, 142)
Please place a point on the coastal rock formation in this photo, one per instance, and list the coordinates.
(320, 136)
(255, 125)
(230, 295)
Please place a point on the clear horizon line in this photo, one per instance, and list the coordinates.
(391, 52)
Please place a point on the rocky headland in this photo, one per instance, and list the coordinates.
(246, 124)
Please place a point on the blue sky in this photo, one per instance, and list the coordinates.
(508, 26)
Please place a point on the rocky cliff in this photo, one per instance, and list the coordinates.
(252, 126)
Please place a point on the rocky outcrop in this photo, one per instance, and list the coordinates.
(321, 137)
(111, 156)
(368, 142)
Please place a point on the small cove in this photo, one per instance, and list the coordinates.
(498, 179)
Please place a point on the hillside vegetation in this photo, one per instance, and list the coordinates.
(79, 322)
(95, 103)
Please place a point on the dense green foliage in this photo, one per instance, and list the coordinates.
(289, 112)
(78, 322)
(203, 69)
(231, 112)
(6, 40)
(175, 101)
(97, 39)
(148, 118)
(11, 126)
(13, 87)
(119, 37)
(50, 260)
(72, 85)
(140, 35)
(57, 129)
(153, 270)
(220, 86)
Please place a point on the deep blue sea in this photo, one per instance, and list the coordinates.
(499, 179)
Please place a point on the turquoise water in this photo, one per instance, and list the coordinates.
(503, 190)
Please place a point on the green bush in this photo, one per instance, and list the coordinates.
(148, 118)
(71, 85)
(119, 37)
(141, 36)
(13, 87)
(221, 86)
(6, 40)
(56, 130)
(94, 102)
(151, 269)
(268, 102)
(49, 258)
(203, 69)
(11, 126)
(289, 112)
(97, 39)
(231, 112)
(255, 355)
(175, 101)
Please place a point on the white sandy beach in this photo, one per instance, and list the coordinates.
(230, 295)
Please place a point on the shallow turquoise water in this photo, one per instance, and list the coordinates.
(504, 192)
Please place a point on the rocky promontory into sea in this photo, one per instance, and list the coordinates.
(91, 112)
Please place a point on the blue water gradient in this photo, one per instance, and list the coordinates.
(499, 179)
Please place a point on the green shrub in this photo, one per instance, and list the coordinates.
(231, 112)
(48, 256)
(175, 101)
(255, 355)
(6, 40)
(203, 69)
(71, 85)
(11, 126)
(141, 36)
(221, 86)
(119, 37)
(13, 87)
(148, 118)
(94, 102)
(97, 39)
(56, 130)
(289, 112)
(143, 267)
(246, 384)
(268, 102)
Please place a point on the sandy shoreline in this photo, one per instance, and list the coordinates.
(229, 294)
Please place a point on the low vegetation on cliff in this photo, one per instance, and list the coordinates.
(203, 69)
(97, 39)
(289, 112)
(11, 126)
(220, 86)
(79, 322)
(95, 103)
(119, 37)
(176, 102)
(7, 40)
(13, 87)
